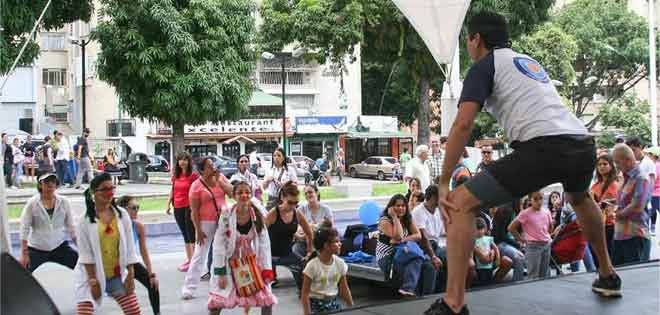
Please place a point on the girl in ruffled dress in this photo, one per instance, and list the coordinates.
(241, 235)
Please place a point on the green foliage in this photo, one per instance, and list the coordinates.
(606, 139)
(179, 62)
(555, 50)
(612, 49)
(485, 126)
(629, 114)
(18, 18)
(327, 29)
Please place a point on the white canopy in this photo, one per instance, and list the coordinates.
(438, 23)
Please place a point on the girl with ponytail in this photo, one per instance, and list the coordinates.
(325, 274)
(106, 252)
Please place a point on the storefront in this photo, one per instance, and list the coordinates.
(229, 138)
(373, 136)
(316, 135)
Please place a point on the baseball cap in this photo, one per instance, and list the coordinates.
(47, 176)
(653, 150)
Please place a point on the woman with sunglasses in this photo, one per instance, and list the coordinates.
(107, 254)
(283, 222)
(143, 271)
(45, 221)
(245, 175)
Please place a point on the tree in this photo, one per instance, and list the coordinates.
(18, 18)
(385, 26)
(327, 29)
(555, 50)
(628, 114)
(178, 62)
(612, 50)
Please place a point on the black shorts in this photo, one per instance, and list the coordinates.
(537, 163)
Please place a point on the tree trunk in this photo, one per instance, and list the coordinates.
(178, 144)
(423, 112)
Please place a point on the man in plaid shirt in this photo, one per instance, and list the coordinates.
(435, 158)
(631, 229)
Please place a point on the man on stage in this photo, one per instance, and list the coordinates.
(551, 145)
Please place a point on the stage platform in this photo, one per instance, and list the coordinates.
(570, 294)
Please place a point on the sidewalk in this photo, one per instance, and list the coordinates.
(58, 282)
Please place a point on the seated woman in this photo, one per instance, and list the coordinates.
(110, 164)
(415, 195)
(506, 243)
(283, 222)
(315, 213)
(396, 227)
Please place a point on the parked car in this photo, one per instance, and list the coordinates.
(158, 164)
(380, 167)
(226, 165)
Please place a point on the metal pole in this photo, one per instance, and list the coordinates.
(27, 40)
(284, 107)
(653, 85)
(84, 99)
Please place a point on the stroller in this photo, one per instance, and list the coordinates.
(317, 177)
(568, 246)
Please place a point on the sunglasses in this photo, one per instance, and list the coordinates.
(486, 152)
(292, 202)
(134, 208)
(243, 161)
(106, 189)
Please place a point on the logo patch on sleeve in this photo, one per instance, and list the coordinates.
(531, 69)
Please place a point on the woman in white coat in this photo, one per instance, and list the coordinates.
(106, 252)
(241, 232)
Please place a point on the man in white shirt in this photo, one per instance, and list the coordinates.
(62, 157)
(428, 220)
(646, 167)
(417, 167)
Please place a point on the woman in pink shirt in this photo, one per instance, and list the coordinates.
(536, 224)
(207, 199)
(654, 154)
(181, 182)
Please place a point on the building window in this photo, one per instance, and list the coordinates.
(54, 77)
(53, 41)
(127, 127)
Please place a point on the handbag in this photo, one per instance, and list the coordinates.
(215, 203)
(406, 252)
(246, 275)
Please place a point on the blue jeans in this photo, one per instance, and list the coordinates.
(588, 261)
(409, 275)
(517, 257)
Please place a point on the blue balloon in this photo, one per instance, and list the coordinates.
(369, 212)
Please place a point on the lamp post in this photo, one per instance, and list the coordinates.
(283, 59)
(82, 43)
(653, 86)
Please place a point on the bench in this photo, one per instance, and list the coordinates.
(368, 271)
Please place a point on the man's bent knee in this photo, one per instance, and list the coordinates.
(463, 199)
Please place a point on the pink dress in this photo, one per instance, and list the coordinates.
(262, 298)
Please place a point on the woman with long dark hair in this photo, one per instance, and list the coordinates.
(144, 272)
(283, 221)
(245, 175)
(555, 206)
(604, 191)
(396, 226)
(279, 174)
(182, 180)
(106, 251)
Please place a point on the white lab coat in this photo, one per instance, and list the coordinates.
(89, 252)
(223, 250)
